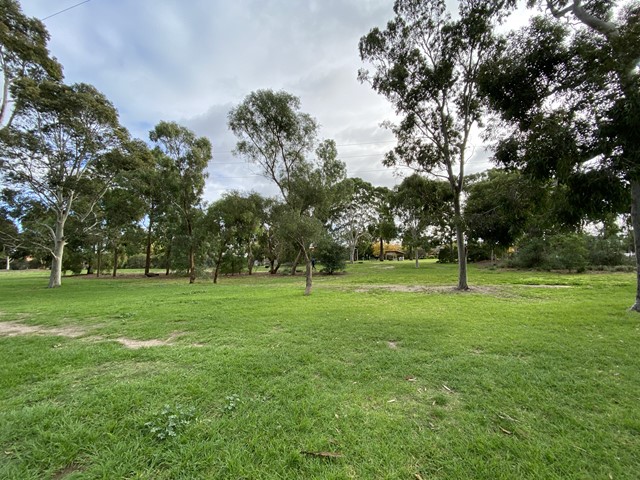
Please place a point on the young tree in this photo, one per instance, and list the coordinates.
(426, 64)
(23, 54)
(63, 150)
(567, 89)
(275, 135)
(356, 212)
(189, 156)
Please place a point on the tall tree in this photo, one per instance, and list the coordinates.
(63, 150)
(567, 89)
(273, 133)
(23, 53)
(426, 64)
(189, 156)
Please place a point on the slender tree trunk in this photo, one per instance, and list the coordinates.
(308, 274)
(415, 253)
(381, 250)
(462, 248)
(250, 259)
(294, 267)
(635, 221)
(115, 260)
(8, 263)
(147, 261)
(55, 279)
(167, 258)
(192, 253)
(352, 254)
(99, 254)
(217, 269)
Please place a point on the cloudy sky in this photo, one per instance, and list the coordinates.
(192, 61)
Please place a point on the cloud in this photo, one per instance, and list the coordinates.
(193, 61)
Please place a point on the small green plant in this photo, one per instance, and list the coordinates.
(232, 403)
(170, 421)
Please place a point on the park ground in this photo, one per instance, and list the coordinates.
(383, 372)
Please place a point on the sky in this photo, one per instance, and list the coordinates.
(191, 61)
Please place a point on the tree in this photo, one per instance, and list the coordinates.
(189, 156)
(500, 205)
(355, 213)
(384, 226)
(23, 53)
(567, 89)
(426, 64)
(63, 150)
(412, 202)
(274, 134)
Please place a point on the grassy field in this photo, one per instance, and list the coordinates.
(384, 372)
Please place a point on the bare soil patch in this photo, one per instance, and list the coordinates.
(13, 329)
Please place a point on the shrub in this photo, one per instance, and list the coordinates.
(448, 255)
(331, 254)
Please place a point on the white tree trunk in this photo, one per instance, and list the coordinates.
(8, 263)
(55, 279)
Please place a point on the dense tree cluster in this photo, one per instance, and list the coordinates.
(561, 95)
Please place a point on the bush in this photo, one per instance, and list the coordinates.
(606, 251)
(332, 255)
(136, 261)
(448, 255)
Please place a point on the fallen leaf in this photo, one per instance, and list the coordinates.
(392, 400)
(447, 389)
(323, 454)
(505, 430)
(410, 379)
(418, 476)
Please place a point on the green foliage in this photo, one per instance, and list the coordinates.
(553, 252)
(331, 254)
(170, 421)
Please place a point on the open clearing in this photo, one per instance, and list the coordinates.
(383, 372)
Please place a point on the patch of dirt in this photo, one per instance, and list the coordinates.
(14, 329)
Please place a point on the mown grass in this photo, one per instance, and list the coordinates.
(529, 375)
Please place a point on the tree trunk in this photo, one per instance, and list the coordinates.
(309, 275)
(192, 253)
(381, 250)
(147, 261)
(250, 260)
(294, 267)
(99, 254)
(352, 253)
(115, 260)
(415, 253)
(167, 259)
(462, 248)
(635, 221)
(55, 279)
(217, 269)
(8, 263)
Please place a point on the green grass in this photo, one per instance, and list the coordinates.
(529, 375)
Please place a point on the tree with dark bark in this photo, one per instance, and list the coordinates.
(426, 64)
(567, 89)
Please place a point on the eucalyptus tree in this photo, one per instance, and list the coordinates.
(567, 89)
(23, 54)
(426, 64)
(357, 210)
(63, 150)
(274, 134)
(409, 204)
(189, 156)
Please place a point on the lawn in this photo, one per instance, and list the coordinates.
(384, 372)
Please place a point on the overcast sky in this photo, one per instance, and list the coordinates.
(192, 61)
